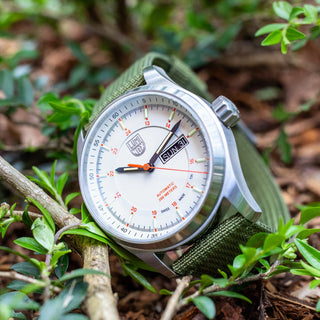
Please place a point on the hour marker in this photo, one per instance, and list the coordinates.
(192, 132)
(197, 190)
(180, 214)
(105, 147)
(130, 219)
(122, 125)
(201, 160)
(172, 114)
(146, 112)
(155, 223)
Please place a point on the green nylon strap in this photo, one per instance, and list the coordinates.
(220, 244)
(133, 77)
(216, 249)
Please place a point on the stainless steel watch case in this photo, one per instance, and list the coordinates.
(228, 192)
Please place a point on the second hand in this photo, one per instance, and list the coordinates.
(146, 167)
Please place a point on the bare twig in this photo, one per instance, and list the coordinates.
(102, 296)
(173, 304)
(19, 276)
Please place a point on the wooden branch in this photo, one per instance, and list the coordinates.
(92, 251)
(19, 276)
(173, 302)
(96, 257)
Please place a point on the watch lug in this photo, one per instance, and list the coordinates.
(80, 143)
(155, 75)
(236, 190)
(154, 261)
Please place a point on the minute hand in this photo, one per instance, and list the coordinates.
(163, 144)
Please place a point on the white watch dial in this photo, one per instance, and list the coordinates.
(145, 168)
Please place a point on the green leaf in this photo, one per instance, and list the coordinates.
(314, 283)
(64, 109)
(74, 316)
(61, 181)
(265, 263)
(293, 34)
(85, 215)
(309, 213)
(206, 306)
(282, 9)
(71, 196)
(26, 268)
(43, 234)
(93, 227)
(5, 312)
(272, 241)
(80, 273)
(115, 247)
(295, 12)
(51, 310)
(78, 74)
(18, 301)
(78, 52)
(206, 281)
(249, 253)
(53, 173)
(301, 272)
(74, 210)
(57, 255)
(73, 295)
(306, 233)
(31, 244)
(26, 217)
(24, 287)
(311, 13)
(311, 254)
(318, 306)
(45, 213)
(273, 38)
(239, 261)
(284, 146)
(230, 294)
(165, 292)
(24, 54)
(138, 277)
(7, 83)
(270, 28)
(315, 272)
(62, 265)
(25, 91)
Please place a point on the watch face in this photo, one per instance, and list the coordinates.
(147, 167)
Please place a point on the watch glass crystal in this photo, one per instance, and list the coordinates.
(145, 168)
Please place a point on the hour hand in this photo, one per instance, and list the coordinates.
(164, 143)
(129, 169)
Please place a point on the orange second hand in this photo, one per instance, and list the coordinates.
(171, 169)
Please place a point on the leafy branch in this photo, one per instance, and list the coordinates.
(287, 33)
(263, 256)
(98, 290)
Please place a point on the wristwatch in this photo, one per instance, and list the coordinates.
(171, 176)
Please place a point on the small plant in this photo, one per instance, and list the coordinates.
(263, 256)
(287, 33)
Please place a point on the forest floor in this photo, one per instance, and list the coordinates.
(258, 80)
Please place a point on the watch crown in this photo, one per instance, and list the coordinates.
(226, 111)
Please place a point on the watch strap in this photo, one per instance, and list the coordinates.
(218, 247)
(133, 77)
(220, 244)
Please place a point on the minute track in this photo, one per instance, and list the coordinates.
(152, 192)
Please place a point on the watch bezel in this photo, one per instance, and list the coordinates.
(212, 131)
